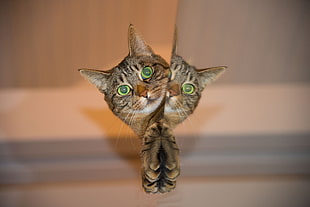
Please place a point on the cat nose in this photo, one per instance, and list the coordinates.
(141, 90)
(173, 90)
(171, 93)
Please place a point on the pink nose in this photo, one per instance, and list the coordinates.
(141, 90)
(173, 89)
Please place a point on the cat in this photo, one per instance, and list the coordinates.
(185, 86)
(138, 92)
(135, 91)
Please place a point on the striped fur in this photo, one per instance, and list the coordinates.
(154, 106)
(160, 159)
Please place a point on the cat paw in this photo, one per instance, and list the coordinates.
(160, 168)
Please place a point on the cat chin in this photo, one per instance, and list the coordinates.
(168, 109)
(171, 101)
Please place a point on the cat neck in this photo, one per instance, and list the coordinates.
(142, 122)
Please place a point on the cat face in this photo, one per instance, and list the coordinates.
(136, 87)
(184, 90)
(185, 86)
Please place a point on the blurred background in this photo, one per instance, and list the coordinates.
(61, 146)
(44, 42)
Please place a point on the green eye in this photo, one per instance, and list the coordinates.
(188, 88)
(147, 72)
(123, 90)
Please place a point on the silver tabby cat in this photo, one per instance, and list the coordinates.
(152, 98)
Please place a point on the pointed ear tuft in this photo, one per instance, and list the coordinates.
(208, 75)
(137, 46)
(175, 40)
(96, 77)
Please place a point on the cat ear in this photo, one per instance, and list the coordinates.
(137, 46)
(208, 75)
(174, 45)
(96, 77)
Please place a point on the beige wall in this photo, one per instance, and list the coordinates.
(261, 41)
(44, 42)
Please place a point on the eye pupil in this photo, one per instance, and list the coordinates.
(123, 90)
(188, 88)
(147, 72)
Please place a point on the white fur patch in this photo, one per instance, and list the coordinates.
(150, 107)
(168, 109)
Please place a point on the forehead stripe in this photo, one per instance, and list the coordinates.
(134, 68)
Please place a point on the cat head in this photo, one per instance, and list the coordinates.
(136, 87)
(185, 86)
